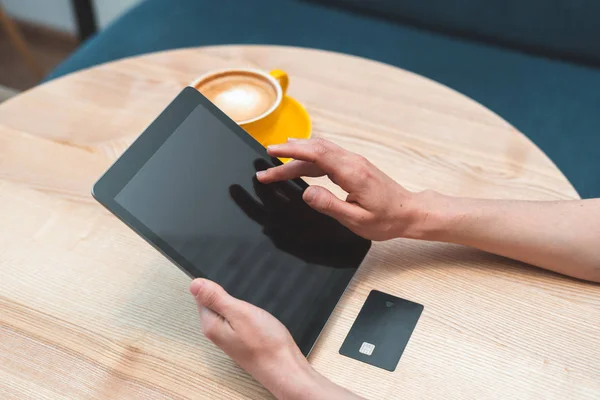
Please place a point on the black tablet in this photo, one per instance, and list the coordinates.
(187, 185)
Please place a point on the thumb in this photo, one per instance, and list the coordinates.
(327, 203)
(213, 297)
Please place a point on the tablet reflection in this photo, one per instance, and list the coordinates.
(291, 225)
(296, 269)
(300, 293)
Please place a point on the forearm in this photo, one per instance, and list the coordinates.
(562, 236)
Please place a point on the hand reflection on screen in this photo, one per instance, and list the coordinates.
(291, 224)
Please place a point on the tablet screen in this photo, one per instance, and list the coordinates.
(198, 193)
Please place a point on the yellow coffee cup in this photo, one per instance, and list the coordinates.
(251, 97)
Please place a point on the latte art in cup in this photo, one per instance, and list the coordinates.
(242, 95)
(250, 97)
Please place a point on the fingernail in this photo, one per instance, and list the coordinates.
(273, 147)
(310, 195)
(292, 139)
(195, 286)
(260, 174)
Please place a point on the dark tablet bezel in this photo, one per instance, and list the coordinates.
(133, 159)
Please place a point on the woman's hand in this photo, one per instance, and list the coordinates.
(376, 207)
(260, 344)
(561, 236)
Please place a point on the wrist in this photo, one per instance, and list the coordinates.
(431, 216)
(297, 384)
(301, 381)
(290, 378)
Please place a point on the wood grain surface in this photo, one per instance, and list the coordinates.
(88, 310)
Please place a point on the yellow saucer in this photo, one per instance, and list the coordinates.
(293, 122)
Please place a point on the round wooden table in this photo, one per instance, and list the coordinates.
(89, 310)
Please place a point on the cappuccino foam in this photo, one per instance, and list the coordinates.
(241, 95)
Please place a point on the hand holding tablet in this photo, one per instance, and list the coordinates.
(188, 186)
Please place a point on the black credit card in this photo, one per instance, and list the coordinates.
(382, 330)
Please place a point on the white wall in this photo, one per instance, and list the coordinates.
(108, 10)
(56, 14)
(59, 15)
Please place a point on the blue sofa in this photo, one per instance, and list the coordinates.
(534, 62)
